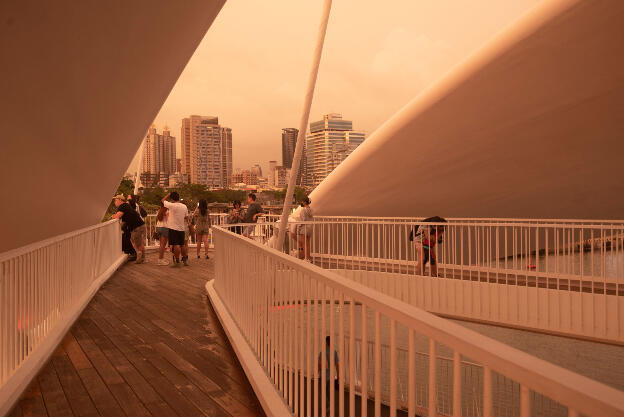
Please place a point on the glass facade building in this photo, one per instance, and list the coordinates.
(330, 141)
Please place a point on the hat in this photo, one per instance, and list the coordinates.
(119, 197)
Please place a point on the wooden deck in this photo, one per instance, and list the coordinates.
(148, 344)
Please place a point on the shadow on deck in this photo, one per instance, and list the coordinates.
(149, 343)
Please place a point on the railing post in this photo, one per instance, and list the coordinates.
(432, 404)
(457, 388)
(393, 407)
(525, 401)
(487, 391)
(411, 383)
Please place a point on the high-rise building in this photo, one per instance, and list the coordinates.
(206, 151)
(178, 178)
(271, 176)
(257, 170)
(329, 142)
(159, 157)
(289, 142)
(281, 176)
(245, 177)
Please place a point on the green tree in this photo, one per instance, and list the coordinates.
(126, 187)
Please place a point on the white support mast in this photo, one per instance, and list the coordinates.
(303, 123)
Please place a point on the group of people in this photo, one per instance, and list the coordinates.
(238, 215)
(174, 226)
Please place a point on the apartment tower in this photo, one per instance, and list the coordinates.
(206, 151)
(329, 142)
(159, 157)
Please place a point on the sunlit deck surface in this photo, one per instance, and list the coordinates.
(149, 343)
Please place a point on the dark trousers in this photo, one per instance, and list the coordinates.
(126, 244)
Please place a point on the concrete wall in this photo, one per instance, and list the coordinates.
(81, 82)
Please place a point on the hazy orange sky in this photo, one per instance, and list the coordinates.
(251, 68)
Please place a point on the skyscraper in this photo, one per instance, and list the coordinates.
(159, 157)
(257, 170)
(206, 151)
(271, 176)
(289, 142)
(330, 141)
(281, 176)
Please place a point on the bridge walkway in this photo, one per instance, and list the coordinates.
(148, 344)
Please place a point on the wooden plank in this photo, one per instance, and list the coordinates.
(75, 391)
(75, 353)
(148, 343)
(160, 409)
(120, 361)
(219, 393)
(174, 398)
(128, 401)
(53, 396)
(16, 412)
(99, 393)
(171, 368)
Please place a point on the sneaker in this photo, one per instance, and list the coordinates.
(198, 257)
(185, 262)
(175, 265)
(140, 259)
(162, 262)
(207, 257)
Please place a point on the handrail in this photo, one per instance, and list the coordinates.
(44, 286)
(578, 392)
(12, 253)
(471, 219)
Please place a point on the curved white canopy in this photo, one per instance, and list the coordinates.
(530, 126)
(81, 81)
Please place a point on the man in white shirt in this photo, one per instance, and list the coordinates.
(178, 213)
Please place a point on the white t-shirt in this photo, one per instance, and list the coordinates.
(177, 213)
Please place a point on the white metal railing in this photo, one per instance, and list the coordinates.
(474, 249)
(286, 307)
(42, 286)
(562, 277)
(218, 219)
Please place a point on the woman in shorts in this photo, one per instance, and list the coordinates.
(163, 233)
(201, 218)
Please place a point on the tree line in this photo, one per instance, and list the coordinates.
(190, 194)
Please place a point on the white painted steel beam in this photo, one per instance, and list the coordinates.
(81, 82)
(529, 126)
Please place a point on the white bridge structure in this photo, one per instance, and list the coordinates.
(518, 147)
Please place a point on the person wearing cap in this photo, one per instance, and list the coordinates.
(134, 223)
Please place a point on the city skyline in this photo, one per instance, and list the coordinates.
(368, 74)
